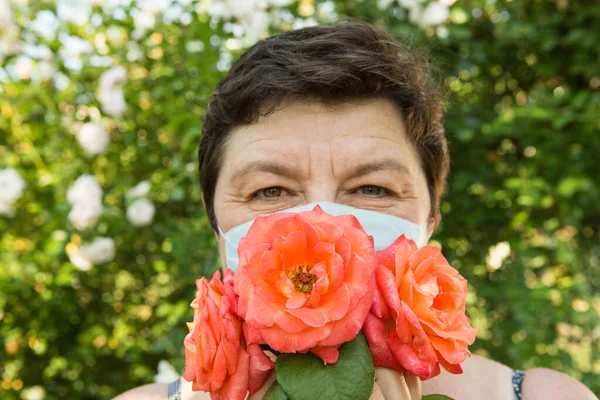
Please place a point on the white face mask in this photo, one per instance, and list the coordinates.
(384, 228)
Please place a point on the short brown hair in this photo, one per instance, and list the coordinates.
(352, 60)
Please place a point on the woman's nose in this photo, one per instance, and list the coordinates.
(321, 191)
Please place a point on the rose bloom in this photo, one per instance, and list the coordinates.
(216, 358)
(305, 281)
(418, 320)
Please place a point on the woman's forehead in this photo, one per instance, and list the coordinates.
(370, 128)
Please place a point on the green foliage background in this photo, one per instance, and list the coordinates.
(523, 124)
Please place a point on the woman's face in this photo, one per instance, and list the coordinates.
(357, 155)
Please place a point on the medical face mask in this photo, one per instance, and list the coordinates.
(384, 228)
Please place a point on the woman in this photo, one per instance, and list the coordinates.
(340, 115)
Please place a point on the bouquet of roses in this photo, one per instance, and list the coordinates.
(311, 290)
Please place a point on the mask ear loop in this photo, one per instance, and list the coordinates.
(423, 236)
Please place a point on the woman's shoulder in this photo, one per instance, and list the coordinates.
(543, 383)
(482, 375)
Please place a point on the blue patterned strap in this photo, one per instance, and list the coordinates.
(174, 390)
(517, 382)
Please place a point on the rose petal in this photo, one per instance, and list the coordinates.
(262, 313)
(409, 358)
(453, 351)
(313, 317)
(359, 276)
(302, 341)
(348, 327)
(296, 301)
(292, 250)
(329, 355)
(237, 385)
(285, 286)
(335, 305)
(260, 368)
(386, 284)
(376, 335)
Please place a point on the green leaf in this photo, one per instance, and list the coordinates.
(437, 397)
(303, 376)
(275, 392)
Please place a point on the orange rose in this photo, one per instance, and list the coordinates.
(418, 320)
(305, 281)
(216, 358)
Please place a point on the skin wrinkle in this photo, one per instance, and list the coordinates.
(320, 147)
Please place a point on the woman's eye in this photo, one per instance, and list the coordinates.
(269, 193)
(372, 191)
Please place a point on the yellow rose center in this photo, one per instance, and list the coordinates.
(302, 279)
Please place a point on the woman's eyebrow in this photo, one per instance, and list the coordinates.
(263, 166)
(386, 164)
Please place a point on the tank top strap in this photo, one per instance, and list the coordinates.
(175, 390)
(517, 383)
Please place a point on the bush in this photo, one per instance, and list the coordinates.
(521, 216)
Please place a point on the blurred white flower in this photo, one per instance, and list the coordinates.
(166, 373)
(442, 32)
(434, 14)
(45, 70)
(61, 81)
(141, 212)
(11, 186)
(383, 4)
(9, 39)
(143, 19)
(251, 15)
(23, 67)
(85, 215)
(227, 9)
(497, 254)
(156, 6)
(113, 102)
(93, 138)
(75, 11)
(113, 77)
(255, 24)
(110, 91)
(408, 3)
(33, 393)
(84, 190)
(101, 250)
(139, 190)
(45, 24)
(71, 50)
(9, 32)
(86, 197)
(300, 23)
(114, 35)
(5, 12)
